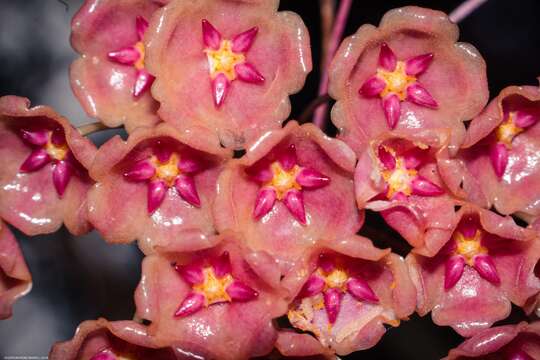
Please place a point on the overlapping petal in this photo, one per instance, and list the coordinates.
(227, 67)
(323, 207)
(43, 182)
(431, 81)
(157, 187)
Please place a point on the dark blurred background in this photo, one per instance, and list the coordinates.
(82, 278)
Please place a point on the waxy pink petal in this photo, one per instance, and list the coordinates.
(392, 110)
(525, 120)
(418, 94)
(294, 201)
(423, 187)
(191, 273)
(332, 303)
(520, 355)
(190, 165)
(190, 305)
(127, 56)
(141, 25)
(35, 161)
(221, 264)
(143, 82)
(38, 137)
(220, 88)
(287, 157)
(238, 291)
(486, 268)
(187, 189)
(372, 87)
(498, 155)
(453, 269)
(141, 171)
(418, 64)
(312, 179)
(264, 202)
(387, 58)
(243, 41)
(360, 289)
(312, 287)
(157, 190)
(387, 159)
(248, 73)
(62, 172)
(211, 37)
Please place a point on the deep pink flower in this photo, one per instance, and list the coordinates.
(291, 189)
(409, 74)
(44, 181)
(226, 68)
(485, 264)
(211, 303)
(499, 164)
(110, 79)
(399, 178)
(15, 279)
(343, 295)
(157, 187)
(516, 342)
(115, 340)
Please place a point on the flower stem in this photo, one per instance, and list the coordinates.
(308, 112)
(88, 129)
(465, 9)
(327, 9)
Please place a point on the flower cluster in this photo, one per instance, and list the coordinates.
(232, 243)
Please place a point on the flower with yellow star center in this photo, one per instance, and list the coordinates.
(284, 180)
(399, 179)
(469, 247)
(168, 170)
(508, 130)
(214, 288)
(223, 60)
(57, 152)
(396, 81)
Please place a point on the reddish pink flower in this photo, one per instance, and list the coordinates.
(157, 187)
(15, 279)
(498, 166)
(345, 300)
(409, 74)
(239, 61)
(44, 181)
(110, 79)
(292, 188)
(116, 340)
(486, 264)
(399, 178)
(210, 303)
(516, 342)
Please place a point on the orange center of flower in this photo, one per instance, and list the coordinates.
(508, 130)
(139, 64)
(396, 81)
(214, 288)
(223, 60)
(399, 179)
(167, 171)
(336, 278)
(469, 247)
(283, 180)
(57, 152)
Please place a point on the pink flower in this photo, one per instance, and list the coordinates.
(15, 279)
(157, 187)
(115, 340)
(497, 166)
(44, 181)
(226, 69)
(345, 300)
(211, 303)
(399, 178)
(519, 342)
(291, 189)
(110, 79)
(409, 74)
(485, 264)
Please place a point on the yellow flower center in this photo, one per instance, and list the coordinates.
(337, 278)
(396, 81)
(213, 288)
(57, 152)
(399, 179)
(224, 60)
(508, 130)
(139, 64)
(167, 171)
(283, 180)
(469, 247)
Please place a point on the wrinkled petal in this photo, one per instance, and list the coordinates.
(420, 96)
(192, 303)
(187, 189)
(387, 58)
(191, 273)
(142, 83)
(220, 89)
(141, 171)
(211, 37)
(62, 173)
(294, 201)
(486, 268)
(243, 41)
(453, 269)
(423, 187)
(418, 64)
(372, 87)
(36, 160)
(127, 56)
(238, 291)
(266, 198)
(332, 304)
(312, 179)
(392, 110)
(38, 138)
(156, 194)
(312, 287)
(360, 290)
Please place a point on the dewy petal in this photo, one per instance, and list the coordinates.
(387, 159)
(287, 157)
(243, 41)
(238, 291)
(294, 201)
(498, 154)
(387, 58)
(360, 289)
(392, 110)
(190, 305)
(248, 73)
(58, 137)
(192, 273)
(332, 303)
(453, 269)
(187, 189)
(312, 287)
(264, 202)
(486, 268)
(143, 82)
(126, 56)
(35, 161)
(141, 171)
(417, 94)
(221, 264)
(220, 88)
(190, 165)
(372, 87)
(157, 190)
(418, 64)
(423, 187)
(312, 179)
(141, 25)
(61, 175)
(211, 37)
(38, 138)
(525, 120)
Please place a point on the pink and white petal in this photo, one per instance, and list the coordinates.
(290, 343)
(280, 52)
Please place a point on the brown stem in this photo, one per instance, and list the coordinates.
(308, 112)
(327, 8)
(91, 128)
